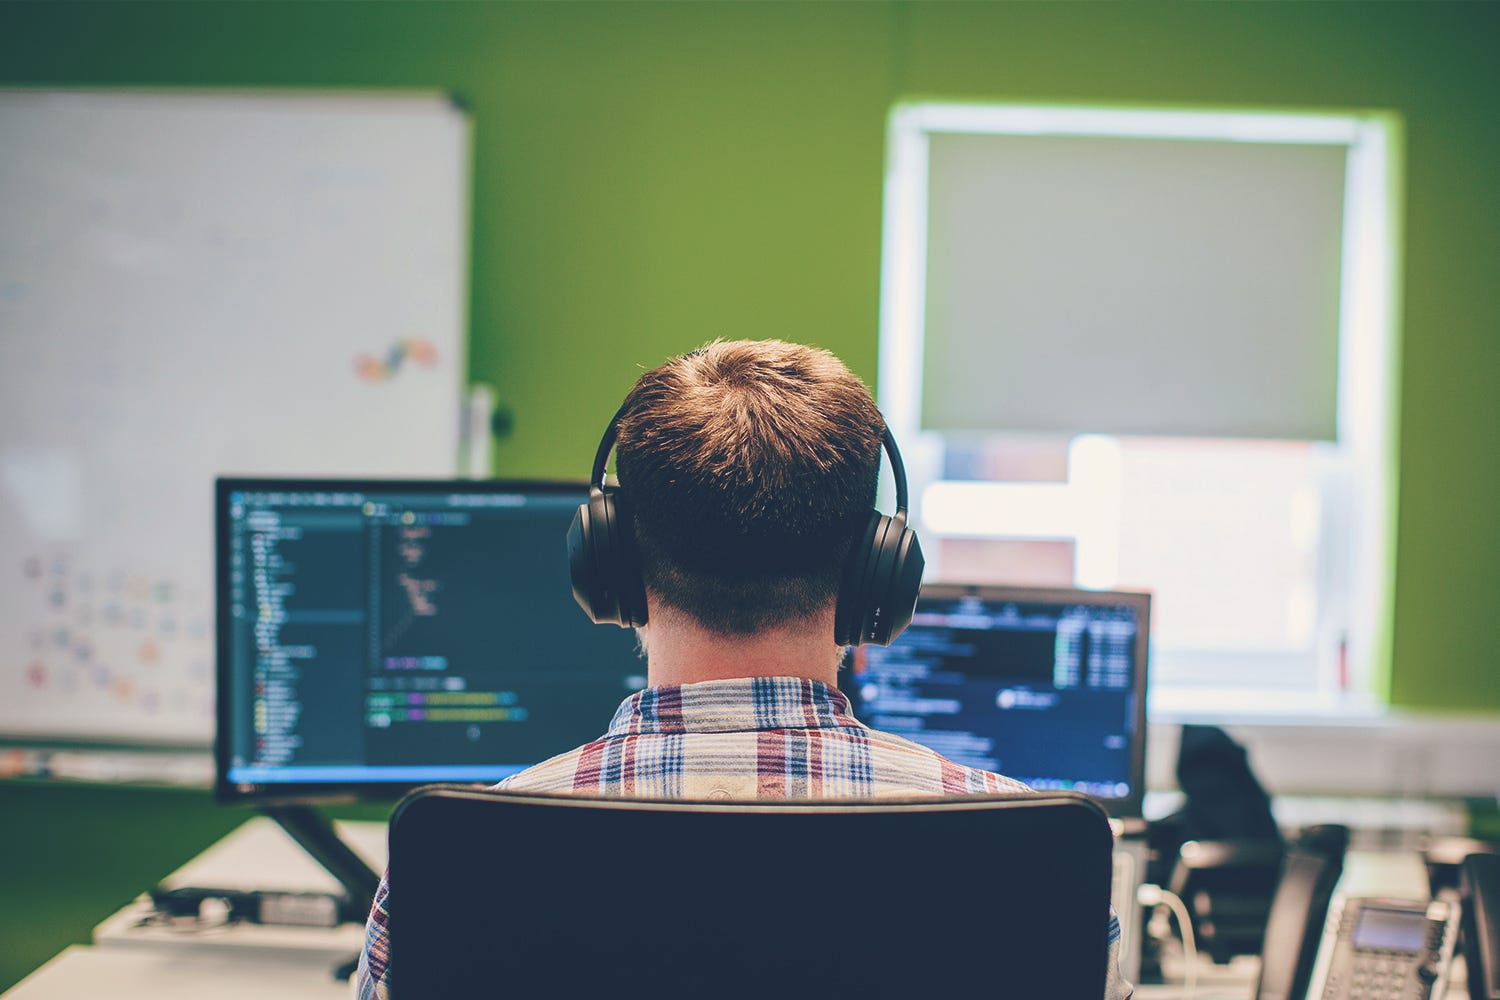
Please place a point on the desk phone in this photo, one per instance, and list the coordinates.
(1388, 949)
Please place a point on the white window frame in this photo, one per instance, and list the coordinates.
(1368, 343)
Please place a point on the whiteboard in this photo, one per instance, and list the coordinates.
(196, 284)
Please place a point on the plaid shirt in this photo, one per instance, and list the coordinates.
(747, 738)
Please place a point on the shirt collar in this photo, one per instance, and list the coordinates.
(741, 704)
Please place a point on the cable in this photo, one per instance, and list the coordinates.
(1155, 896)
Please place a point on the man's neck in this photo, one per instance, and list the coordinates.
(680, 651)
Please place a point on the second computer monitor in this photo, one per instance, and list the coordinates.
(379, 634)
(1044, 686)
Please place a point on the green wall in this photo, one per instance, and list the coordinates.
(648, 176)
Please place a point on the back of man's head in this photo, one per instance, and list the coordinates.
(748, 467)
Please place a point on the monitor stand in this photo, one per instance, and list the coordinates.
(316, 835)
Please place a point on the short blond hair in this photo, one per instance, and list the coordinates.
(748, 468)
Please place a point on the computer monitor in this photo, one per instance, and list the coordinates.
(377, 635)
(1044, 686)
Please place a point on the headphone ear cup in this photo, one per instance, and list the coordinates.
(900, 587)
(881, 583)
(602, 562)
(848, 617)
(582, 563)
(628, 583)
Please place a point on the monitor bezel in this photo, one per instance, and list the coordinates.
(241, 793)
(1131, 806)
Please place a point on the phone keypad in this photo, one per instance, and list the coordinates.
(1386, 973)
(1375, 974)
(1381, 975)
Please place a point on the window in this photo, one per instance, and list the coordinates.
(1152, 350)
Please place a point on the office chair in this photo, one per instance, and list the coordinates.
(1222, 851)
(499, 893)
(1479, 884)
(1228, 887)
(1294, 927)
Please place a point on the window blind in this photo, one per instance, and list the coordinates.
(1132, 286)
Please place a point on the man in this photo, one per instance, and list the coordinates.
(748, 471)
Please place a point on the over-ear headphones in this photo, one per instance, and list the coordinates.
(602, 557)
(883, 574)
(877, 595)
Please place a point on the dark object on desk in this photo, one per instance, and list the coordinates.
(1479, 886)
(1299, 911)
(567, 896)
(288, 909)
(1444, 855)
(1222, 851)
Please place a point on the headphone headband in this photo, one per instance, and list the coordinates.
(606, 445)
(898, 469)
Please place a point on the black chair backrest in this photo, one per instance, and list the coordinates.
(1299, 910)
(516, 895)
(1479, 880)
